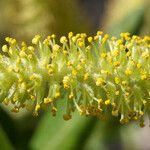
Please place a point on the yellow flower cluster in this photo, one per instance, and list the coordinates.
(96, 75)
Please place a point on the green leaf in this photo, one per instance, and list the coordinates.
(4, 141)
(95, 140)
(132, 22)
(55, 133)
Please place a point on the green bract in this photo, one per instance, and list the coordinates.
(96, 75)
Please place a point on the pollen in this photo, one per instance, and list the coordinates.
(115, 113)
(37, 107)
(6, 101)
(128, 72)
(50, 71)
(71, 96)
(7, 39)
(56, 47)
(63, 39)
(36, 39)
(116, 64)
(53, 36)
(83, 61)
(66, 117)
(117, 93)
(13, 41)
(5, 48)
(107, 102)
(96, 37)
(99, 33)
(47, 100)
(66, 81)
(124, 83)
(115, 53)
(100, 82)
(70, 35)
(90, 39)
(33, 97)
(144, 102)
(117, 80)
(144, 77)
(100, 101)
(145, 55)
(57, 95)
(74, 72)
(22, 54)
(54, 109)
(139, 65)
(86, 76)
(103, 55)
(15, 110)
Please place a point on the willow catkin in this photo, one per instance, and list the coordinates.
(96, 75)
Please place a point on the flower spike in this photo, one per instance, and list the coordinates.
(96, 74)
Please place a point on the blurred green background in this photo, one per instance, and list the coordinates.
(22, 20)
